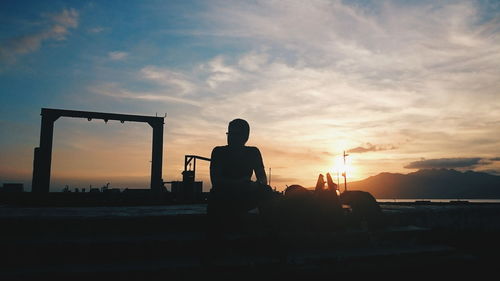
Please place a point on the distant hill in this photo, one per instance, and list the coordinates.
(431, 183)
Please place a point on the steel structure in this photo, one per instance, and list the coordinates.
(192, 158)
(43, 153)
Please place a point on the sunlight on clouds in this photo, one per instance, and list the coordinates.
(398, 81)
(361, 76)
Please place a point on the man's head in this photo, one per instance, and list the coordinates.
(238, 132)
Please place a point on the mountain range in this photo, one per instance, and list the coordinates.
(431, 184)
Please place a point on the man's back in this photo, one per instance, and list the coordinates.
(234, 163)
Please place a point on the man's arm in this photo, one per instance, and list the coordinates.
(215, 173)
(260, 172)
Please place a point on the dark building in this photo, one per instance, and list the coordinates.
(187, 192)
(187, 189)
(13, 187)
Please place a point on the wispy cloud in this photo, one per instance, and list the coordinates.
(175, 82)
(96, 29)
(220, 72)
(114, 91)
(117, 55)
(56, 27)
(371, 147)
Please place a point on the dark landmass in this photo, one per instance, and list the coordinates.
(177, 243)
(431, 183)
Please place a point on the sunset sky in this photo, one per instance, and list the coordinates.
(400, 85)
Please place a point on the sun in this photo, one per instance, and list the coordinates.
(343, 165)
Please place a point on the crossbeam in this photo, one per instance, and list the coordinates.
(56, 113)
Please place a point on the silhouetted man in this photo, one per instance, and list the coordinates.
(231, 168)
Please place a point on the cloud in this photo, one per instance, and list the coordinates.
(318, 71)
(56, 27)
(66, 18)
(97, 29)
(495, 159)
(220, 72)
(370, 147)
(164, 86)
(322, 75)
(253, 61)
(114, 91)
(450, 163)
(117, 55)
(176, 82)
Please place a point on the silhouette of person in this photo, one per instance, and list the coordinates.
(231, 168)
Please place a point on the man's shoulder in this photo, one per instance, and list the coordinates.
(219, 148)
(224, 147)
(252, 148)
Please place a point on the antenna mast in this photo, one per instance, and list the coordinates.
(269, 176)
(345, 172)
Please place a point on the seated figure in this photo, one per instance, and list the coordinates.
(231, 169)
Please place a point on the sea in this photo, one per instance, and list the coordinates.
(187, 209)
(440, 200)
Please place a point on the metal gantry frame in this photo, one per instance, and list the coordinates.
(43, 154)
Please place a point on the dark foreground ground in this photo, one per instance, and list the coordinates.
(176, 243)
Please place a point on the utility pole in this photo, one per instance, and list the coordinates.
(345, 172)
(269, 176)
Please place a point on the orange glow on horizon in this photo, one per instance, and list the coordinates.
(339, 167)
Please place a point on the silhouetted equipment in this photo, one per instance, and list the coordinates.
(295, 190)
(43, 153)
(320, 183)
(331, 185)
(362, 204)
(189, 158)
(322, 206)
(317, 209)
(188, 189)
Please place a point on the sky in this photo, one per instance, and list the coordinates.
(398, 85)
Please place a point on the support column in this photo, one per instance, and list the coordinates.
(43, 155)
(157, 156)
(36, 177)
